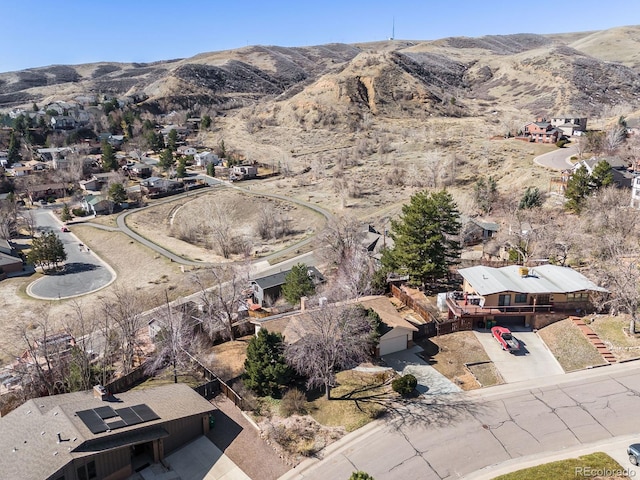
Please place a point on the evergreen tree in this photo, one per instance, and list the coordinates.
(601, 176)
(117, 193)
(206, 122)
(172, 141)
(181, 170)
(47, 251)
(65, 215)
(266, 371)
(297, 284)
(211, 169)
(531, 198)
(166, 159)
(109, 162)
(13, 155)
(425, 238)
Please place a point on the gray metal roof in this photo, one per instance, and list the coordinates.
(541, 279)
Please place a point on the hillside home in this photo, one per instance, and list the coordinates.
(517, 295)
(622, 176)
(140, 170)
(542, 131)
(243, 172)
(205, 158)
(397, 330)
(45, 192)
(157, 185)
(186, 150)
(91, 434)
(97, 205)
(570, 126)
(635, 192)
(267, 289)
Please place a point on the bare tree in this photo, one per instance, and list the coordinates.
(330, 339)
(614, 138)
(218, 221)
(124, 310)
(86, 335)
(221, 293)
(342, 236)
(8, 218)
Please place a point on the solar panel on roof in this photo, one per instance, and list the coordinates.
(105, 412)
(116, 424)
(92, 421)
(129, 416)
(145, 413)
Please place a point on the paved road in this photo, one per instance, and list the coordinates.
(557, 159)
(451, 436)
(83, 271)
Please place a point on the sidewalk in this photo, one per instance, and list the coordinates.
(615, 447)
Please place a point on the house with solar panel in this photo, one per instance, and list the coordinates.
(91, 434)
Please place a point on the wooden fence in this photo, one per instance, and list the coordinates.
(124, 383)
(214, 382)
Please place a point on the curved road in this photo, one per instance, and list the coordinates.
(448, 437)
(557, 159)
(84, 272)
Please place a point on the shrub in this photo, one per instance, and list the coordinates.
(405, 385)
(561, 143)
(79, 212)
(360, 475)
(293, 402)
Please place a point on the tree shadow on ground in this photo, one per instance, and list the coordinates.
(76, 267)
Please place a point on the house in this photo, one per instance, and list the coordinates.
(542, 131)
(9, 261)
(518, 295)
(205, 158)
(158, 186)
(140, 170)
(570, 126)
(97, 205)
(397, 336)
(187, 150)
(243, 172)
(266, 290)
(63, 122)
(53, 154)
(477, 230)
(91, 434)
(92, 185)
(622, 176)
(4, 159)
(19, 170)
(45, 192)
(635, 192)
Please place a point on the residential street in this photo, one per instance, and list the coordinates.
(84, 272)
(557, 159)
(462, 434)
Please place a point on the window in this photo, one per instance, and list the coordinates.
(88, 471)
(521, 298)
(504, 300)
(91, 469)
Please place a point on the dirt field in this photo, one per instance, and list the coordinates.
(449, 353)
(163, 223)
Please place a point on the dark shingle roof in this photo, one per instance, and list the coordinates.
(276, 279)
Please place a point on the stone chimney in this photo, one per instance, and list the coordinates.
(303, 303)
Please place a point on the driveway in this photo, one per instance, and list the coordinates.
(83, 271)
(429, 379)
(534, 360)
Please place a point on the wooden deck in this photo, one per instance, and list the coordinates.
(459, 309)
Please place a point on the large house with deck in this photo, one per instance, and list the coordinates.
(517, 295)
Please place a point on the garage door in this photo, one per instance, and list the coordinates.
(514, 320)
(392, 345)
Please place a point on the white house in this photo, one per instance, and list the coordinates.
(635, 192)
(187, 150)
(205, 158)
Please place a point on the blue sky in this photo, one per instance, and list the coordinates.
(45, 32)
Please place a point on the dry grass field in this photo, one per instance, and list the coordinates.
(614, 332)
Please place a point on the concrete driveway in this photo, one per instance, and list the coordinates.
(83, 271)
(558, 159)
(429, 379)
(534, 360)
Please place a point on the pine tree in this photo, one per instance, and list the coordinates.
(109, 162)
(206, 122)
(601, 176)
(65, 215)
(166, 159)
(47, 251)
(297, 284)
(117, 193)
(266, 371)
(13, 155)
(530, 199)
(181, 170)
(425, 238)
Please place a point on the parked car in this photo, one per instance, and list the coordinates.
(505, 339)
(64, 228)
(633, 451)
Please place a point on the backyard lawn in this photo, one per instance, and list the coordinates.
(613, 331)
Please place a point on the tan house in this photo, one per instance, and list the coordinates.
(516, 295)
(570, 126)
